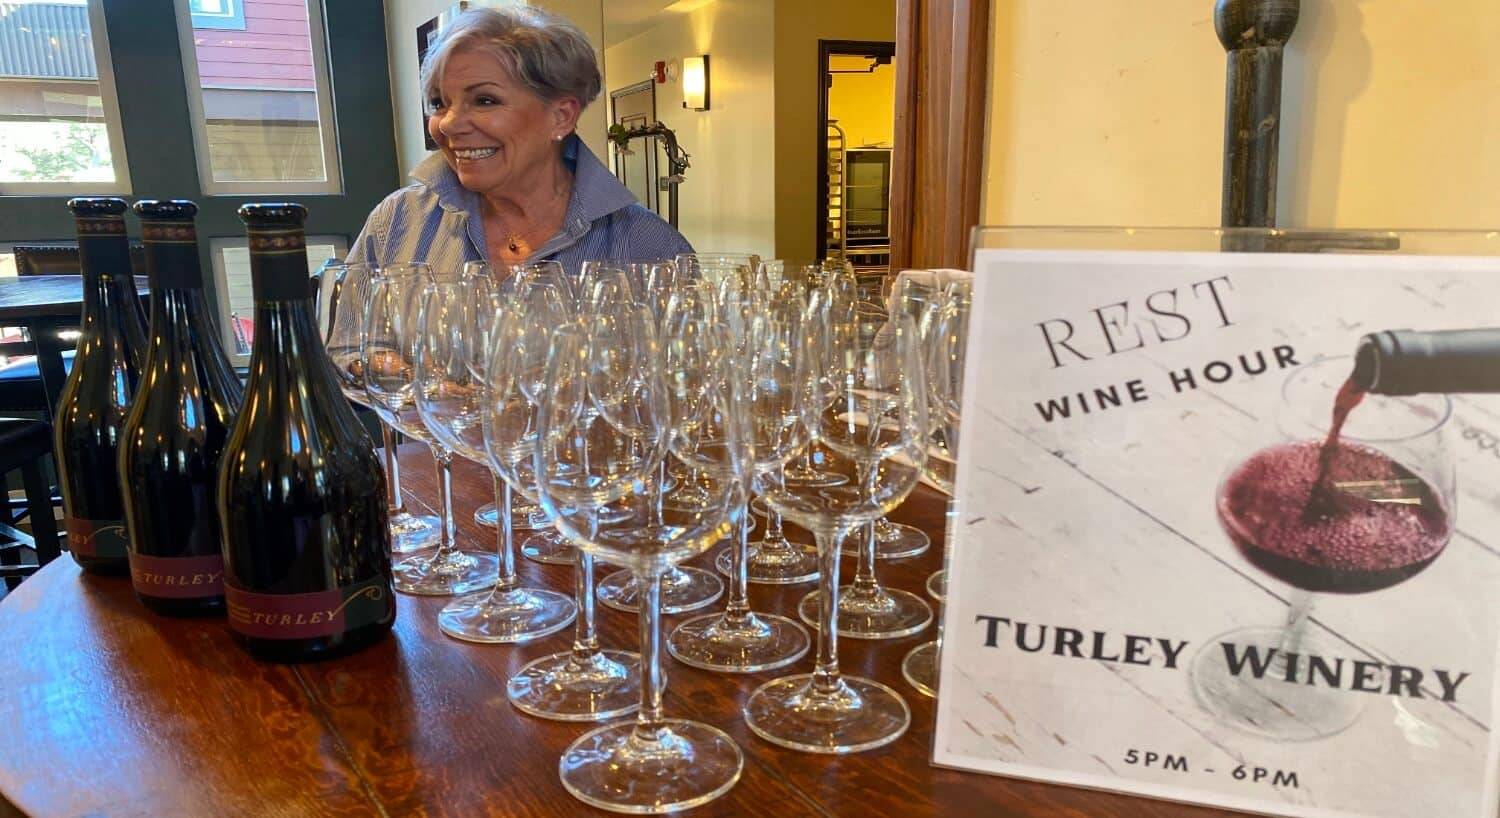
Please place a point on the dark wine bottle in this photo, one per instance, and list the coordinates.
(1410, 362)
(94, 401)
(307, 566)
(177, 427)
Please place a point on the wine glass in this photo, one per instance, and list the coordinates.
(945, 341)
(838, 290)
(867, 609)
(870, 410)
(774, 559)
(348, 290)
(389, 356)
(916, 297)
(605, 289)
(457, 320)
(651, 764)
(1347, 513)
(765, 366)
(585, 683)
(545, 545)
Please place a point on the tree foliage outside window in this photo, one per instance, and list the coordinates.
(50, 151)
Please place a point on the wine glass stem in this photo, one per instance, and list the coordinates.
(392, 471)
(1298, 611)
(585, 636)
(864, 572)
(444, 459)
(505, 537)
(773, 519)
(825, 678)
(653, 675)
(738, 608)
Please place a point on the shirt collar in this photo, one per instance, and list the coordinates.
(596, 191)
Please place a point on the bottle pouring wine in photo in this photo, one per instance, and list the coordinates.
(1410, 362)
(96, 397)
(307, 568)
(177, 427)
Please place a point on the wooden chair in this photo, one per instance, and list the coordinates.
(24, 446)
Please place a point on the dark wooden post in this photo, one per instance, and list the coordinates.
(1254, 33)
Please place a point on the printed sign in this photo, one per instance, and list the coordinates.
(1205, 551)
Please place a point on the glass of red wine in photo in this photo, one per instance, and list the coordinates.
(1355, 496)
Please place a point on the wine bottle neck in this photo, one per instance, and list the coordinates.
(1408, 362)
(172, 255)
(103, 250)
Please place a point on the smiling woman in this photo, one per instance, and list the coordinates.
(511, 182)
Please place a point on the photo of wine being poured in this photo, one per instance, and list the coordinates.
(1359, 495)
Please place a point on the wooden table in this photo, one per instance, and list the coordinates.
(109, 710)
(44, 305)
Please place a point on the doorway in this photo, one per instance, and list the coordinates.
(634, 106)
(856, 117)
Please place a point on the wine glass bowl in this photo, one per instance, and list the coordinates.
(1349, 513)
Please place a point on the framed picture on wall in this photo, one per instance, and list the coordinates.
(426, 34)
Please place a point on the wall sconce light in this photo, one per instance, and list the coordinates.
(695, 83)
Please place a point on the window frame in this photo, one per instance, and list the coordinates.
(233, 20)
(328, 131)
(223, 309)
(113, 125)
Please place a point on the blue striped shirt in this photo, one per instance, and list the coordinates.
(437, 220)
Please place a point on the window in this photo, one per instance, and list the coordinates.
(59, 119)
(259, 96)
(231, 260)
(222, 14)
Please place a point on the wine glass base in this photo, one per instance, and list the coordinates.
(860, 714)
(524, 517)
(683, 589)
(689, 764)
(548, 547)
(937, 585)
(1271, 707)
(885, 613)
(774, 565)
(411, 533)
(920, 668)
(813, 478)
(893, 541)
(760, 642)
(460, 572)
(561, 688)
(520, 615)
(758, 506)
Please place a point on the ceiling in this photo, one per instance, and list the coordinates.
(624, 19)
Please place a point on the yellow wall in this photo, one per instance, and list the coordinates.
(865, 106)
(727, 202)
(1102, 115)
(799, 26)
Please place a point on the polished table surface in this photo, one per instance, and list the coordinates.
(109, 710)
(25, 297)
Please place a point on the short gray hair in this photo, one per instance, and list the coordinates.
(542, 51)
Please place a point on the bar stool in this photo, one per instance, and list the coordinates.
(24, 446)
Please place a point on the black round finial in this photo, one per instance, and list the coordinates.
(273, 214)
(166, 210)
(1255, 23)
(95, 207)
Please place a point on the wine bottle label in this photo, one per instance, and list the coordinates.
(105, 539)
(177, 577)
(307, 616)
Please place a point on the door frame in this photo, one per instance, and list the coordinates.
(827, 49)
